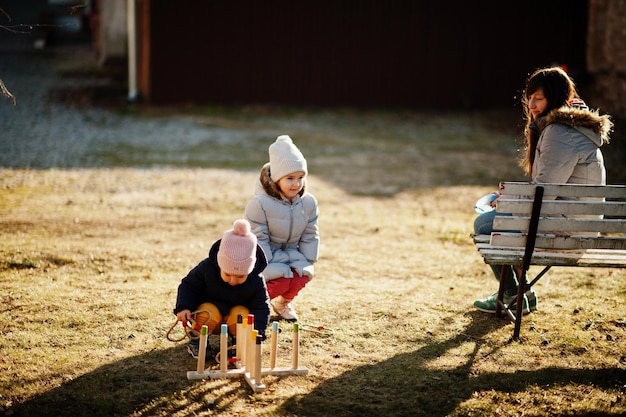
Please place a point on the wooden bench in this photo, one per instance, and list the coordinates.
(585, 227)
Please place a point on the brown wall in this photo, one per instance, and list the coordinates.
(606, 55)
(410, 53)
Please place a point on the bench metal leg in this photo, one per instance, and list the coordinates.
(521, 289)
(528, 253)
(539, 275)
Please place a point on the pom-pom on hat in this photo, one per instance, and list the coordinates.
(237, 252)
(285, 158)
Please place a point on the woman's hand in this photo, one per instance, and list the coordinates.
(493, 202)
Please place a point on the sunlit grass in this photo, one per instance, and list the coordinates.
(87, 291)
(90, 260)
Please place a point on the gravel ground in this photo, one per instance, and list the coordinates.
(59, 122)
(53, 124)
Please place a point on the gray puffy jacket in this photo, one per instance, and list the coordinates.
(287, 231)
(568, 149)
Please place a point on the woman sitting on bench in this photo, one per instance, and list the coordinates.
(562, 145)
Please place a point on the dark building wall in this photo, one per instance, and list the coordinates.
(606, 63)
(408, 53)
(606, 55)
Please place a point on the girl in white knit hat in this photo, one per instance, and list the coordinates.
(283, 216)
(226, 284)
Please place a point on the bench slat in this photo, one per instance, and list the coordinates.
(589, 258)
(564, 207)
(566, 190)
(551, 241)
(605, 252)
(480, 238)
(562, 224)
(556, 262)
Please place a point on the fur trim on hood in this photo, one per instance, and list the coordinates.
(588, 119)
(270, 187)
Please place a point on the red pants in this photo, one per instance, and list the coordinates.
(287, 287)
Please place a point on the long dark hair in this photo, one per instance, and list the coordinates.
(558, 89)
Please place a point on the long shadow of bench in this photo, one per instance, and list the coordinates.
(365, 391)
(115, 389)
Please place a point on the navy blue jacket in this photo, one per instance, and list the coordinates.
(204, 284)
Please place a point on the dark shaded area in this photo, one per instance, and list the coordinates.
(615, 154)
(405, 53)
(114, 389)
(418, 53)
(40, 24)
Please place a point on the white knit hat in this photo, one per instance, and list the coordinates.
(237, 252)
(285, 158)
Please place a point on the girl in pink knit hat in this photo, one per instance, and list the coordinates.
(226, 284)
(283, 216)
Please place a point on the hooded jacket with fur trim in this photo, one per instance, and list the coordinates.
(287, 231)
(568, 149)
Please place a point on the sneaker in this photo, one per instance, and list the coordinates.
(283, 308)
(193, 347)
(532, 300)
(488, 305)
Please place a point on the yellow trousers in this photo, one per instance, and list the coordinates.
(208, 314)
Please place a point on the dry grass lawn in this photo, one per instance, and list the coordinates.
(90, 260)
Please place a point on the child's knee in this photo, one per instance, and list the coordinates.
(207, 314)
(231, 320)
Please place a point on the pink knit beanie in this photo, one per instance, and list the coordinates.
(237, 253)
(285, 158)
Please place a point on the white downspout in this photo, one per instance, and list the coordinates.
(131, 20)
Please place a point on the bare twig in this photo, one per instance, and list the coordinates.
(5, 14)
(6, 92)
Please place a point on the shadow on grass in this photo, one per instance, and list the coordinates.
(115, 389)
(404, 385)
(420, 390)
